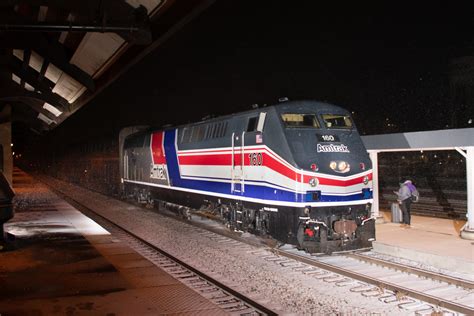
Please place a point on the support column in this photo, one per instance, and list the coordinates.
(6, 171)
(468, 230)
(375, 184)
(6, 161)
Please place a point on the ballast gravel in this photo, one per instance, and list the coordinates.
(243, 267)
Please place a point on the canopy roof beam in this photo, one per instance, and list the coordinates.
(454, 139)
(43, 88)
(54, 52)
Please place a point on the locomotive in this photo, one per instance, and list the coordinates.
(296, 171)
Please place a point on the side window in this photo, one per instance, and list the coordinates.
(252, 124)
(210, 131)
(183, 134)
(215, 130)
(220, 129)
(224, 129)
(198, 133)
(203, 132)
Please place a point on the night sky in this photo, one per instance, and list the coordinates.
(389, 64)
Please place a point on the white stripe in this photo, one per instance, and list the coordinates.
(254, 200)
(269, 185)
(248, 149)
(270, 176)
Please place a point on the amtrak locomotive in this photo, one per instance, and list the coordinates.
(296, 171)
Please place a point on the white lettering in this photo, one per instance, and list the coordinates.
(158, 172)
(331, 148)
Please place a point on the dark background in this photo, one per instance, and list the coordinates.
(388, 63)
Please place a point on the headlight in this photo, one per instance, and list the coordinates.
(342, 166)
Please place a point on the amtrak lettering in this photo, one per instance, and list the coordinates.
(331, 148)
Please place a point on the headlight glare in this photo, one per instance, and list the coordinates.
(342, 166)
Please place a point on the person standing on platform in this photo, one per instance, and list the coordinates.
(405, 199)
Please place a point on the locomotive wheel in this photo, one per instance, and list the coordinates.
(300, 237)
(323, 238)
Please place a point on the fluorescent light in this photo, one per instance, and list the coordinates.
(45, 119)
(19, 53)
(36, 61)
(53, 73)
(29, 87)
(16, 78)
(52, 109)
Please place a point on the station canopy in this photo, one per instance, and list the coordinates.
(461, 140)
(56, 55)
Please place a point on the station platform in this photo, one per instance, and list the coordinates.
(61, 262)
(431, 241)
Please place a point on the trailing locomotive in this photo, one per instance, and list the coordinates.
(297, 171)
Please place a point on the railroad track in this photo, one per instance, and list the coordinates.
(409, 288)
(415, 289)
(223, 296)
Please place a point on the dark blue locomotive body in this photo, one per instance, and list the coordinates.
(297, 171)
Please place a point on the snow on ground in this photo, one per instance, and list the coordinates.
(282, 289)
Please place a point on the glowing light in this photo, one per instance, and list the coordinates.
(52, 109)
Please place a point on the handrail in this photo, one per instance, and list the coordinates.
(242, 178)
(232, 187)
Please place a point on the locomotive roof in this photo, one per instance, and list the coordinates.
(298, 106)
(301, 106)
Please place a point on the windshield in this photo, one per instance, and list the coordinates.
(337, 121)
(300, 120)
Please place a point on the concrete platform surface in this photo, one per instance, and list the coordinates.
(432, 241)
(63, 263)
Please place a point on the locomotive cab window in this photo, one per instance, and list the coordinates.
(337, 121)
(300, 120)
(252, 124)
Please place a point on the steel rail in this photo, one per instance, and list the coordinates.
(379, 283)
(374, 281)
(257, 306)
(420, 272)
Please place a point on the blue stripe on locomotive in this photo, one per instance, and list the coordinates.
(251, 191)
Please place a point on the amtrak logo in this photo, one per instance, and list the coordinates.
(331, 148)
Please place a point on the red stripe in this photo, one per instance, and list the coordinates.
(206, 160)
(268, 161)
(279, 167)
(326, 181)
(157, 151)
